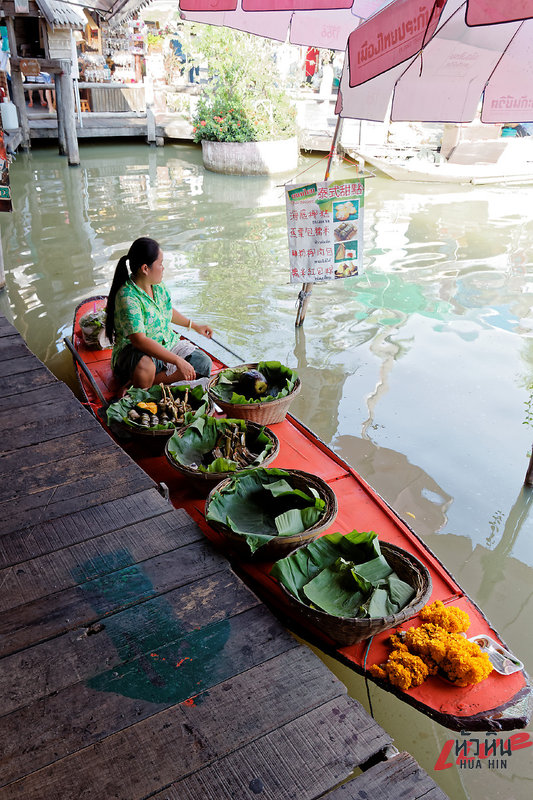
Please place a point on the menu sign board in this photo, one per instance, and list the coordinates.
(325, 230)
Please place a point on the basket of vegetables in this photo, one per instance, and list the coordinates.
(157, 412)
(265, 514)
(260, 392)
(211, 449)
(353, 586)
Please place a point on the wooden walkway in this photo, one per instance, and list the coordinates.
(133, 662)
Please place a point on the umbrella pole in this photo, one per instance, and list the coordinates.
(304, 295)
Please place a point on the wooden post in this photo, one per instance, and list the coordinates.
(17, 87)
(61, 137)
(2, 273)
(68, 113)
(150, 124)
(529, 474)
(305, 293)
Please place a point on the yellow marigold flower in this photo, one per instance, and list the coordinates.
(397, 643)
(466, 663)
(451, 618)
(436, 644)
(377, 671)
(405, 669)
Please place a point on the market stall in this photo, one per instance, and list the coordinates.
(111, 67)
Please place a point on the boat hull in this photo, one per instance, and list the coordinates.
(497, 703)
(425, 166)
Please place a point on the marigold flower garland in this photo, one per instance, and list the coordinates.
(435, 645)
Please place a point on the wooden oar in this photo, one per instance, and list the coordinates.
(223, 346)
(226, 348)
(86, 372)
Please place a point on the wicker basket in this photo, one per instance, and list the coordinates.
(208, 479)
(162, 433)
(349, 630)
(281, 546)
(266, 413)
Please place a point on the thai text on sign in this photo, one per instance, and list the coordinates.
(325, 230)
(5, 192)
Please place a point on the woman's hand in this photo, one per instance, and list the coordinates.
(184, 371)
(205, 330)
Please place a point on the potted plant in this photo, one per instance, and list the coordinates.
(244, 118)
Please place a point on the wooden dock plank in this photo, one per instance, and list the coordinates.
(55, 448)
(84, 493)
(6, 328)
(37, 376)
(30, 542)
(38, 427)
(86, 652)
(13, 347)
(186, 669)
(17, 366)
(133, 661)
(397, 777)
(35, 396)
(117, 590)
(298, 760)
(93, 559)
(102, 461)
(188, 736)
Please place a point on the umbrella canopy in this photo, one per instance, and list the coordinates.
(438, 68)
(312, 23)
(489, 12)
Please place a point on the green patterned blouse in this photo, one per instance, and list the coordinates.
(136, 312)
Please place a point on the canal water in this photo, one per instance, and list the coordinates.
(418, 372)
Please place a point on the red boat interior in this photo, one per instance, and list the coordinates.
(498, 701)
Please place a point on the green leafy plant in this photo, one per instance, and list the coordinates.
(261, 503)
(244, 99)
(154, 39)
(280, 380)
(345, 576)
(194, 447)
(118, 411)
(529, 408)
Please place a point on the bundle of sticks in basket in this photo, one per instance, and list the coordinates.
(173, 409)
(231, 444)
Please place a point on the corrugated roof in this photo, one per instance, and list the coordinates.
(62, 14)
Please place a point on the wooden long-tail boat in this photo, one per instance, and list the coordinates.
(500, 702)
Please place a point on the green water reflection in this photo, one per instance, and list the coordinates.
(416, 372)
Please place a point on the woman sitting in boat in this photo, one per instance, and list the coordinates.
(146, 349)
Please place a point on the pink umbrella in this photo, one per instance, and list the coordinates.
(489, 12)
(438, 68)
(312, 23)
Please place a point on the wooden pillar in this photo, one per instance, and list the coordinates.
(17, 87)
(529, 474)
(68, 113)
(2, 273)
(61, 137)
(150, 124)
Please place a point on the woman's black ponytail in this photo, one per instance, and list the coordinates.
(142, 251)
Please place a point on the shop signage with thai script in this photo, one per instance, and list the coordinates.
(5, 191)
(30, 67)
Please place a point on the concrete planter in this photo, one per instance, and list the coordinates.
(250, 158)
